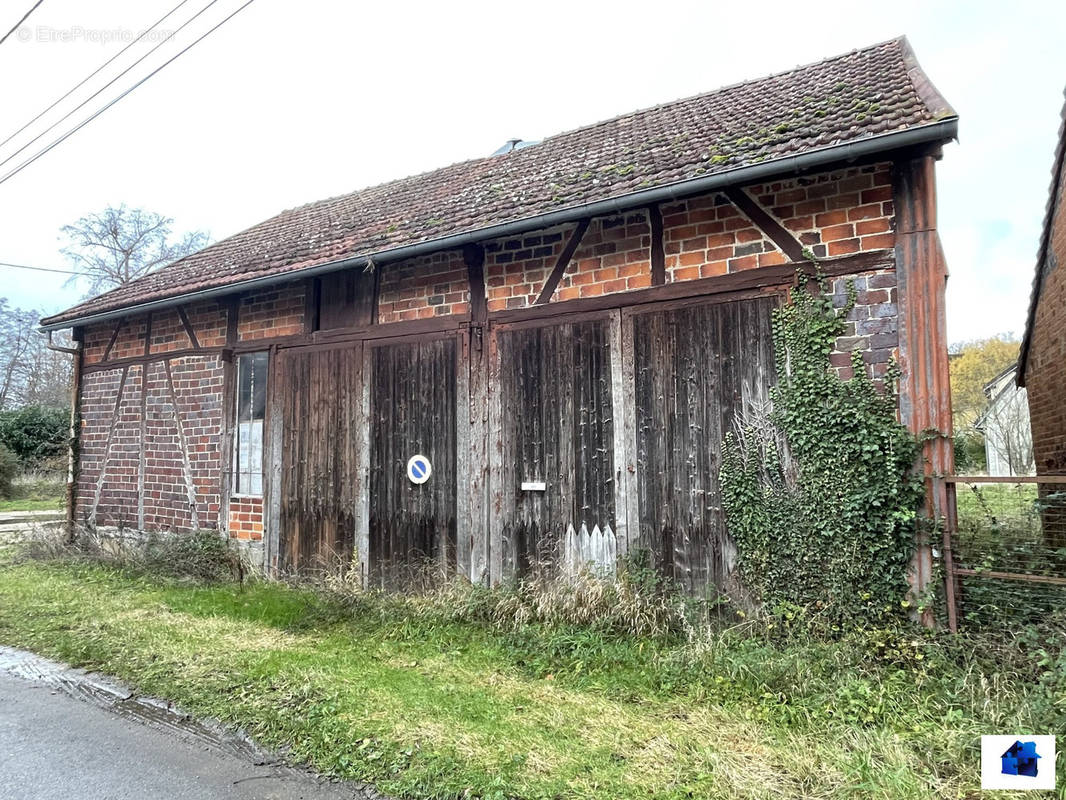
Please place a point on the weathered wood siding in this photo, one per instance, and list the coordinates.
(555, 424)
(412, 411)
(320, 393)
(695, 369)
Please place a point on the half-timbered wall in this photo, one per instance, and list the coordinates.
(603, 359)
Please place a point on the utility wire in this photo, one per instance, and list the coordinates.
(139, 83)
(107, 85)
(25, 17)
(98, 70)
(38, 269)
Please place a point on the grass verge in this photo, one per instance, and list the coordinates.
(47, 504)
(425, 700)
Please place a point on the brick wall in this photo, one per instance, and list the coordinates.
(277, 311)
(872, 325)
(245, 521)
(1045, 373)
(191, 413)
(834, 213)
(168, 334)
(429, 286)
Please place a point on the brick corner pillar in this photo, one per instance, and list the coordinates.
(925, 389)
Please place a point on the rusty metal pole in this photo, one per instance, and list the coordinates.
(925, 391)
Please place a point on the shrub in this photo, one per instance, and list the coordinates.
(35, 434)
(822, 498)
(201, 555)
(8, 468)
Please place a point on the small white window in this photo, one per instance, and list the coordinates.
(251, 411)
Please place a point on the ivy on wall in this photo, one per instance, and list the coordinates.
(821, 499)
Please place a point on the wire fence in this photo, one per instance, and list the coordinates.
(1005, 543)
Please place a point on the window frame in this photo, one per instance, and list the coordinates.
(248, 436)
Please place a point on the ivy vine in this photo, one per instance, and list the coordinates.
(821, 495)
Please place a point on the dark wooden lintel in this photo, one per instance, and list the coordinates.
(189, 331)
(762, 277)
(563, 262)
(148, 335)
(658, 254)
(233, 310)
(312, 304)
(773, 229)
(119, 363)
(474, 256)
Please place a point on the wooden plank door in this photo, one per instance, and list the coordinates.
(552, 429)
(696, 368)
(412, 527)
(318, 397)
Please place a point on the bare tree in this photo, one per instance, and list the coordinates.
(116, 245)
(30, 373)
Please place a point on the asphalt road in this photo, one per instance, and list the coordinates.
(54, 746)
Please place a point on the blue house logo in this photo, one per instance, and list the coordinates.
(1020, 759)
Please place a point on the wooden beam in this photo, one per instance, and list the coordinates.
(233, 310)
(183, 445)
(119, 363)
(1011, 576)
(107, 447)
(658, 254)
(148, 335)
(474, 256)
(1049, 479)
(376, 299)
(195, 342)
(312, 304)
(113, 339)
(563, 262)
(745, 280)
(785, 241)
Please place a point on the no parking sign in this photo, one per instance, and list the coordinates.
(419, 469)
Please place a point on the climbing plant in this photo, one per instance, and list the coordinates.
(821, 498)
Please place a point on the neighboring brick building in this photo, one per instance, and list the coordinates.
(566, 331)
(1042, 362)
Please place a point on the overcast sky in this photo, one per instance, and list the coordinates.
(294, 102)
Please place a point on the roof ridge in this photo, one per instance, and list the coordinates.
(926, 90)
(860, 100)
(902, 40)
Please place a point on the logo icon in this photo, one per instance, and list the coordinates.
(1018, 762)
(1020, 759)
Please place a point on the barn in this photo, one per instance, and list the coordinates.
(525, 361)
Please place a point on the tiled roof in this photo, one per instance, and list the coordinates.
(859, 95)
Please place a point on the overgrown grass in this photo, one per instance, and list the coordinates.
(464, 694)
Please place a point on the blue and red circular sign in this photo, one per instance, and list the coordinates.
(419, 469)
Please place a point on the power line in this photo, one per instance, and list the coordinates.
(25, 17)
(139, 83)
(38, 269)
(98, 70)
(107, 85)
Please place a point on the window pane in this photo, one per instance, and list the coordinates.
(251, 411)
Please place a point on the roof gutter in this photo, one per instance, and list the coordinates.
(944, 130)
